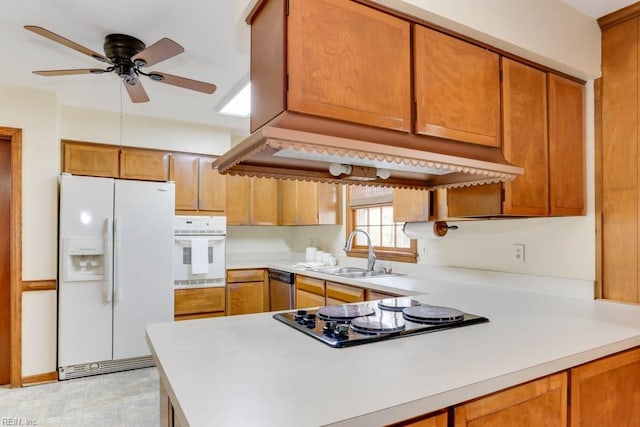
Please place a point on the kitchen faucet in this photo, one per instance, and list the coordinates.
(371, 258)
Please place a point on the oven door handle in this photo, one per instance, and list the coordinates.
(181, 239)
(108, 260)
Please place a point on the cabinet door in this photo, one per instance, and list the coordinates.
(457, 89)
(620, 162)
(183, 170)
(298, 202)
(90, 160)
(211, 187)
(238, 200)
(204, 300)
(410, 205)
(566, 146)
(289, 202)
(306, 299)
(264, 198)
(349, 62)
(606, 393)
(524, 122)
(542, 402)
(145, 165)
(245, 297)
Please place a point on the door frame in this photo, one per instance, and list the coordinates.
(14, 136)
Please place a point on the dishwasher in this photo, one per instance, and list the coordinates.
(281, 290)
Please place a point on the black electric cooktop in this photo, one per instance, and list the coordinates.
(355, 324)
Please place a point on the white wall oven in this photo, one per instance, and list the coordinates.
(199, 259)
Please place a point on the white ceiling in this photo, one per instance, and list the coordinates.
(598, 8)
(215, 39)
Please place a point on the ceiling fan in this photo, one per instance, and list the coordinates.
(126, 56)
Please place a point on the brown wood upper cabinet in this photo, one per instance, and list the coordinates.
(251, 201)
(566, 146)
(410, 205)
(145, 165)
(310, 203)
(338, 59)
(183, 170)
(198, 186)
(211, 187)
(457, 89)
(90, 159)
(524, 123)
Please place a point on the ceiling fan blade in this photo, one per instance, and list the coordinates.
(73, 45)
(69, 72)
(136, 92)
(183, 82)
(158, 52)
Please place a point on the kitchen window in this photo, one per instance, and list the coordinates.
(371, 209)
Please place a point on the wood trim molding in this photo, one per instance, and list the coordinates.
(48, 377)
(621, 15)
(597, 89)
(15, 238)
(39, 285)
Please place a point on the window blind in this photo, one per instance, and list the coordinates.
(362, 195)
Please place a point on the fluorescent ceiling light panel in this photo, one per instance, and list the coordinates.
(240, 104)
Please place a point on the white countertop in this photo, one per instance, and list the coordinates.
(253, 370)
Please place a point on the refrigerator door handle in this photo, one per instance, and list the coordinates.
(117, 233)
(108, 260)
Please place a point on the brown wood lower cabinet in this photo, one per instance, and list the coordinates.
(606, 392)
(310, 292)
(538, 403)
(372, 295)
(247, 291)
(439, 419)
(198, 303)
(338, 293)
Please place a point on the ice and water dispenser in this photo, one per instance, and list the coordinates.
(83, 259)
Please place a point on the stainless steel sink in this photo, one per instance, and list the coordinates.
(354, 272)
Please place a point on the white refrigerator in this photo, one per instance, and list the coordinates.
(115, 272)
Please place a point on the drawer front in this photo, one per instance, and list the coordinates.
(190, 301)
(253, 275)
(375, 295)
(344, 293)
(198, 315)
(309, 284)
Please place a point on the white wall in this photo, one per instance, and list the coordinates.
(35, 112)
(139, 131)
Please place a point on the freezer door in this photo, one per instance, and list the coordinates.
(143, 271)
(84, 306)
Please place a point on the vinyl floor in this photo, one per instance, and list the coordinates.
(129, 398)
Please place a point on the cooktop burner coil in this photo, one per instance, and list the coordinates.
(432, 314)
(375, 325)
(397, 304)
(344, 313)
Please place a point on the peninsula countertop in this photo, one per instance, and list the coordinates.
(253, 370)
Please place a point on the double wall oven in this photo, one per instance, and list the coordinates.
(199, 259)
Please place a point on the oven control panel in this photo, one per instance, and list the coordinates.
(200, 225)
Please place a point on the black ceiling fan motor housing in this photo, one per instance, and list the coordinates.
(119, 48)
